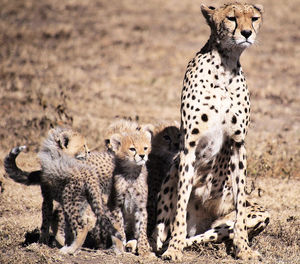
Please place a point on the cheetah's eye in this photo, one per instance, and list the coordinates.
(145, 148)
(231, 18)
(254, 18)
(132, 149)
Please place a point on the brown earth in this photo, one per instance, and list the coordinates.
(84, 62)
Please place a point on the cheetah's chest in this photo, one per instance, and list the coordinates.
(214, 95)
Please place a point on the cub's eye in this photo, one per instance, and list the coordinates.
(166, 137)
(231, 18)
(255, 18)
(132, 149)
(145, 148)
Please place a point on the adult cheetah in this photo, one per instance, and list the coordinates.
(215, 114)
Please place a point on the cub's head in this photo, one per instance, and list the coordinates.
(119, 126)
(166, 137)
(234, 25)
(68, 141)
(133, 146)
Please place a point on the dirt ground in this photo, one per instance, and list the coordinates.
(84, 62)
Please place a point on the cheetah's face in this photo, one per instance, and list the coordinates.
(132, 147)
(235, 25)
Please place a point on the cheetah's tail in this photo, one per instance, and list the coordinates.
(15, 173)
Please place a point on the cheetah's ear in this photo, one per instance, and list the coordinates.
(207, 12)
(259, 7)
(115, 142)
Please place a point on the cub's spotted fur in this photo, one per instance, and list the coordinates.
(164, 146)
(128, 199)
(69, 182)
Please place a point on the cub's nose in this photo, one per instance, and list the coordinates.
(246, 33)
(142, 156)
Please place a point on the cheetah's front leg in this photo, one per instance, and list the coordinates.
(185, 183)
(238, 172)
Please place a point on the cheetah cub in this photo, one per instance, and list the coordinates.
(71, 183)
(119, 126)
(128, 199)
(164, 147)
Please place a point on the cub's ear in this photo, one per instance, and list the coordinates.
(115, 142)
(107, 143)
(259, 7)
(148, 128)
(207, 12)
(63, 140)
(148, 135)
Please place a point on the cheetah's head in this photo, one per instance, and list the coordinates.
(234, 25)
(133, 147)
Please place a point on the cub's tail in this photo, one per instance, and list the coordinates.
(18, 175)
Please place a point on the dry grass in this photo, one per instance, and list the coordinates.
(85, 62)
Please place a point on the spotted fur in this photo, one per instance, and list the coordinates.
(71, 183)
(215, 115)
(128, 199)
(164, 146)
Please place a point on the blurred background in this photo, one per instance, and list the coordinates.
(82, 63)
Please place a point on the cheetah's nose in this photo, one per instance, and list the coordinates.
(142, 156)
(246, 33)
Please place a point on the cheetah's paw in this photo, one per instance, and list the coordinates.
(172, 254)
(249, 254)
(148, 255)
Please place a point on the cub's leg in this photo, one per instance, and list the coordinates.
(72, 202)
(143, 246)
(59, 226)
(167, 199)
(118, 221)
(47, 210)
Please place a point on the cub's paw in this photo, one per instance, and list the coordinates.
(118, 246)
(44, 238)
(131, 246)
(67, 250)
